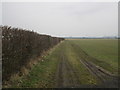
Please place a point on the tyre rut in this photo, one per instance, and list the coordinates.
(102, 75)
(66, 75)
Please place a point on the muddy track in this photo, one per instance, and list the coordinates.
(106, 78)
(59, 74)
(66, 76)
(73, 75)
(103, 76)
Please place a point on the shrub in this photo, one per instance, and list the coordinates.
(18, 46)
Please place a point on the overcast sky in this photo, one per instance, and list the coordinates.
(63, 18)
(0, 13)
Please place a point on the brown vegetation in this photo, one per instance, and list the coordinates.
(19, 46)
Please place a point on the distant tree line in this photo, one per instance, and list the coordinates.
(19, 45)
(104, 37)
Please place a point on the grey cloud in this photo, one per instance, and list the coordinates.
(63, 18)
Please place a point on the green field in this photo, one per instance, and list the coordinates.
(65, 65)
(104, 50)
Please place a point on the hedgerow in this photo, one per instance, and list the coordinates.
(19, 45)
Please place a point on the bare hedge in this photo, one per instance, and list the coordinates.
(19, 45)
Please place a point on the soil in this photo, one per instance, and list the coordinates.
(107, 80)
(67, 77)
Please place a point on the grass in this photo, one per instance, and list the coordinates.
(104, 50)
(85, 76)
(43, 75)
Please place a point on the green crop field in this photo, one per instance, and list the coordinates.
(74, 63)
(104, 50)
